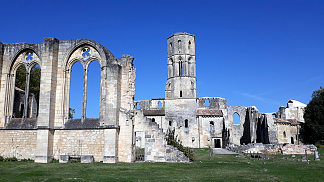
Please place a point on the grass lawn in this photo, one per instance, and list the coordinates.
(219, 168)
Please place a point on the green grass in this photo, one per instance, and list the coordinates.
(219, 168)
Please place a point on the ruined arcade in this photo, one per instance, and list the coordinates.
(43, 130)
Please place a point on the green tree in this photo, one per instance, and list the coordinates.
(71, 112)
(312, 130)
(34, 82)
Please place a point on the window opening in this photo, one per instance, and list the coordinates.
(86, 52)
(211, 126)
(179, 46)
(153, 119)
(236, 118)
(180, 93)
(206, 102)
(93, 90)
(284, 134)
(170, 123)
(76, 90)
(186, 123)
(160, 105)
(189, 44)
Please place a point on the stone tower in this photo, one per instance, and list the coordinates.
(180, 88)
(181, 81)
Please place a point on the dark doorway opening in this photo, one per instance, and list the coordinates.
(217, 143)
(292, 140)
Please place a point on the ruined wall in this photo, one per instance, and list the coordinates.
(284, 133)
(207, 131)
(78, 142)
(18, 143)
(236, 130)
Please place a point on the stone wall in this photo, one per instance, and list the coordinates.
(18, 143)
(79, 142)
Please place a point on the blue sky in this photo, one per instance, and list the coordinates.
(260, 53)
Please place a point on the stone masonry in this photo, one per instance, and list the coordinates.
(124, 125)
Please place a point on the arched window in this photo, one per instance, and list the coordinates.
(93, 90)
(179, 46)
(186, 123)
(160, 105)
(236, 118)
(211, 126)
(76, 90)
(138, 106)
(170, 123)
(26, 91)
(189, 45)
(274, 116)
(284, 134)
(207, 102)
(153, 119)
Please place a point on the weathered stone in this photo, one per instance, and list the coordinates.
(87, 159)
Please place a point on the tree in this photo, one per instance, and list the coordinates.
(312, 131)
(71, 112)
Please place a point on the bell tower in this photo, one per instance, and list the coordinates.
(180, 88)
(181, 82)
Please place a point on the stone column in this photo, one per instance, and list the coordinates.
(110, 104)
(25, 114)
(84, 99)
(46, 116)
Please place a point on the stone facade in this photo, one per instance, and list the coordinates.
(123, 125)
(208, 121)
(105, 138)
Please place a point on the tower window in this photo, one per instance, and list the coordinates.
(170, 123)
(170, 44)
(179, 46)
(180, 68)
(180, 93)
(189, 44)
(186, 123)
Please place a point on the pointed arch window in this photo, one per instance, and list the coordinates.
(26, 80)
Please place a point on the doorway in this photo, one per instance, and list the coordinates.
(217, 143)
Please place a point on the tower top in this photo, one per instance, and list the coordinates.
(181, 33)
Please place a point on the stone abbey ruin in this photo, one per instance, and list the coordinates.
(38, 126)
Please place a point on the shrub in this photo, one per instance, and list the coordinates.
(10, 159)
(27, 160)
(1, 158)
(172, 140)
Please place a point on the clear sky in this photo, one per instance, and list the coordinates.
(260, 53)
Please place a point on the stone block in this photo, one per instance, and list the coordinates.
(87, 159)
(64, 158)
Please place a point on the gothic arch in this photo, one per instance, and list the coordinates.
(77, 55)
(18, 59)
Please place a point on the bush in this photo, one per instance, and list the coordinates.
(27, 160)
(54, 161)
(1, 158)
(10, 159)
(172, 140)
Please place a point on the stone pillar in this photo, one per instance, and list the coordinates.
(25, 114)
(111, 95)
(110, 146)
(110, 105)
(46, 116)
(84, 99)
